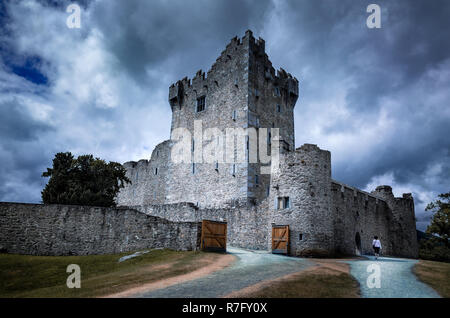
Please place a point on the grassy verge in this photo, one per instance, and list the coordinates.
(45, 276)
(319, 282)
(435, 274)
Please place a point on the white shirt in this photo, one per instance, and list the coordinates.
(376, 243)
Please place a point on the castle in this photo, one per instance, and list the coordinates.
(243, 93)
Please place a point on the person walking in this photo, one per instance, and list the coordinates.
(376, 244)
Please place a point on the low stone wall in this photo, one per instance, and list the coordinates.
(39, 229)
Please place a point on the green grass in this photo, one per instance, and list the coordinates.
(311, 284)
(45, 276)
(435, 274)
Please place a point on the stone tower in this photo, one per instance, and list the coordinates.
(241, 91)
(403, 225)
(304, 179)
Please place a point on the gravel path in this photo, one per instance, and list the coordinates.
(396, 278)
(251, 267)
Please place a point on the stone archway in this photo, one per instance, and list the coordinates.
(357, 244)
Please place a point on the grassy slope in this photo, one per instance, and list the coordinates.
(45, 276)
(435, 274)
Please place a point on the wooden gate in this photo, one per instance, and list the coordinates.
(280, 239)
(214, 236)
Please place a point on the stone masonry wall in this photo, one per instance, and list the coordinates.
(357, 213)
(148, 178)
(272, 96)
(38, 229)
(246, 224)
(402, 223)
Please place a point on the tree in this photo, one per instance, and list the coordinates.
(437, 247)
(83, 181)
(440, 223)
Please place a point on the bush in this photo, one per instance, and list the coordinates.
(434, 250)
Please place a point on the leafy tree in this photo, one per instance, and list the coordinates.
(83, 181)
(437, 247)
(440, 223)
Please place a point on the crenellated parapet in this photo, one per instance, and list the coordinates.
(288, 85)
(242, 49)
(202, 82)
(402, 207)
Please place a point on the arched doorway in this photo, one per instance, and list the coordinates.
(357, 244)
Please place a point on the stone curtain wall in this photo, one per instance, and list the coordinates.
(247, 225)
(355, 212)
(38, 229)
(148, 178)
(403, 222)
(369, 214)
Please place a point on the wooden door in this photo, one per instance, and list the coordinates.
(214, 236)
(280, 239)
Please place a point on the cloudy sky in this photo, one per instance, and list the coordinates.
(378, 99)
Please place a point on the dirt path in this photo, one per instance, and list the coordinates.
(252, 267)
(220, 262)
(243, 272)
(396, 279)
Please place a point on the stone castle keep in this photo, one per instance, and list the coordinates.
(167, 200)
(326, 217)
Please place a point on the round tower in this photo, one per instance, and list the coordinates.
(301, 196)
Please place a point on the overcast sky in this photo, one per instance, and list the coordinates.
(378, 99)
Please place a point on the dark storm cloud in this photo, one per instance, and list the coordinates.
(411, 41)
(22, 156)
(17, 125)
(377, 98)
(181, 36)
(403, 49)
(408, 155)
(388, 88)
(393, 59)
(20, 173)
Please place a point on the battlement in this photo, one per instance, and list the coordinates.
(312, 151)
(133, 164)
(385, 189)
(230, 60)
(308, 147)
(201, 77)
(354, 192)
(129, 165)
(385, 192)
(407, 196)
